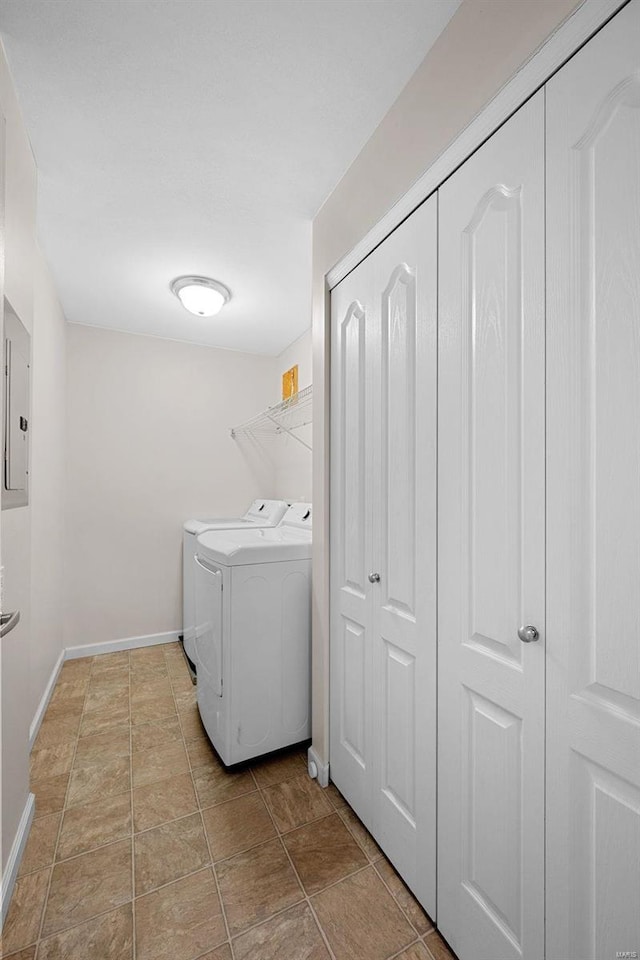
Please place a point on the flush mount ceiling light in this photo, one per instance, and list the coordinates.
(201, 295)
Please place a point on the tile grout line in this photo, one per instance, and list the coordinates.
(373, 863)
(258, 843)
(404, 912)
(321, 929)
(76, 924)
(204, 830)
(255, 846)
(307, 823)
(352, 832)
(171, 883)
(275, 916)
(307, 899)
(218, 891)
(62, 812)
(100, 846)
(401, 951)
(110, 909)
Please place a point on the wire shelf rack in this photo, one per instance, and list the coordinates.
(283, 418)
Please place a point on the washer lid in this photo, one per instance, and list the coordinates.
(290, 540)
(261, 513)
(218, 523)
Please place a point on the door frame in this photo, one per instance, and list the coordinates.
(563, 43)
(582, 24)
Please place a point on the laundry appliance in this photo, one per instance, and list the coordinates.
(261, 513)
(253, 636)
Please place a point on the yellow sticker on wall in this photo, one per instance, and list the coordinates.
(290, 383)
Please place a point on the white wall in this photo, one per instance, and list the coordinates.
(15, 525)
(148, 447)
(483, 45)
(47, 480)
(29, 652)
(292, 460)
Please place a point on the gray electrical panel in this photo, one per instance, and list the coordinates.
(16, 361)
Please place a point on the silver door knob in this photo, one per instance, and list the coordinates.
(374, 578)
(528, 634)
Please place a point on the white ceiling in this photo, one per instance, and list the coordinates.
(201, 136)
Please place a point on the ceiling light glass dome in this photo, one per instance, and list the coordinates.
(201, 296)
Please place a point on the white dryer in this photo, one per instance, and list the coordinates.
(253, 636)
(261, 513)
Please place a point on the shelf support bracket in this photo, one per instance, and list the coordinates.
(280, 428)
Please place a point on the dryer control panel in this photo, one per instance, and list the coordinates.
(298, 515)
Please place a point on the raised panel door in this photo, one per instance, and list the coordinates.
(491, 549)
(404, 619)
(593, 489)
(353, 350)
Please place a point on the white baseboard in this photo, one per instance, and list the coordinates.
(112, 646)
(44, 702)
(13, 863)
(322, 774)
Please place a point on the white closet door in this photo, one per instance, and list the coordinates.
(353, 363)
(593, 483)
(383, 560)
(404, 639)
(491, 450)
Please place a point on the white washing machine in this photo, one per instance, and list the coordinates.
(253, 636)
(261, 513)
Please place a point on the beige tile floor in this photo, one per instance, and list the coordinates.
(144, 848)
